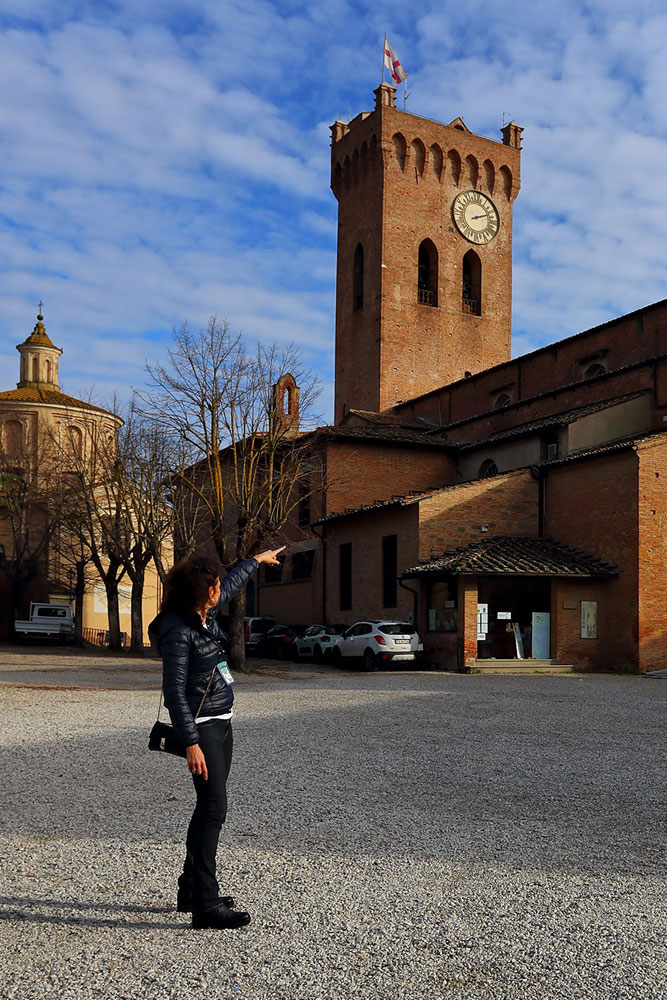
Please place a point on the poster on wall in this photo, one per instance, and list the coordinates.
(482, 622)
(589, 619)
(100, 599)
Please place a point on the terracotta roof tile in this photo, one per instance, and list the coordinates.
(555, 420)
(388, 435)
(50, 396)
(404, 500)
(506, 555)
(390, 419)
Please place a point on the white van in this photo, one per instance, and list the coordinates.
(255, 630)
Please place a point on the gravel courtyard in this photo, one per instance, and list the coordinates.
(403, 836)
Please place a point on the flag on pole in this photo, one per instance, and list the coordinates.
(393, 64)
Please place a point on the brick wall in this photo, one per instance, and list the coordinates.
(592, 505)
(360, 473)
(365, 532)
(468, 618)
(507, 505)
(652, 556)
(566, 640)
(390, 205)
(292, 602)
(625, 341)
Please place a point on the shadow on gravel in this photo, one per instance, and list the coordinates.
(549, 774)
(22, 909)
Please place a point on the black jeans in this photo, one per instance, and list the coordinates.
(216, 742)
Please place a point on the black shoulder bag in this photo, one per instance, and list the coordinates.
(163, 736)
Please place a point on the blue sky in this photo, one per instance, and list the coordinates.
(163, 161)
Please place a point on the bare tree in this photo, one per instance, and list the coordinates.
(249, 465)
(142, 481)
(94, 512)
(29, 513)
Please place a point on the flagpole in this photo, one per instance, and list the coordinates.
(384, 49)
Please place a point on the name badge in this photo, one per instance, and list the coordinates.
(225, 672)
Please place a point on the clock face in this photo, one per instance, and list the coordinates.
(476, 217)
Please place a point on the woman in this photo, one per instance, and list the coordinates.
(198, 693)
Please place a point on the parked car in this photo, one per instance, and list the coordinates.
(255, 630)
(317, 642)
(378, 642)
(47, 621)
(278, 642)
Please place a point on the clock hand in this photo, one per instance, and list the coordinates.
(482, 216)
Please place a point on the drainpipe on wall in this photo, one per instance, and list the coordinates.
(538, 474)
(414, 601)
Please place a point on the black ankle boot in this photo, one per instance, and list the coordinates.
(219, 917)
(184, 901)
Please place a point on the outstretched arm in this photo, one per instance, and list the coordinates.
(237, 578)
(270, 556)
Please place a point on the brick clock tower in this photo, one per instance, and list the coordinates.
(424, 274)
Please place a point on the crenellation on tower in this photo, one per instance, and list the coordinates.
(511, 134)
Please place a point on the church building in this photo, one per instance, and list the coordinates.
(513, 508)
(47, 440)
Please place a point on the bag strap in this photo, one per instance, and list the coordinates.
(210, 681)
(200, 628)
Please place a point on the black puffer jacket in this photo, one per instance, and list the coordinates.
(190, 653)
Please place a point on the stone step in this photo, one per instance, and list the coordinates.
(491, 666)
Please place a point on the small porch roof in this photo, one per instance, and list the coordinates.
(507, 555)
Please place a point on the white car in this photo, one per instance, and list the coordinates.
(377, 643)
(317, 642)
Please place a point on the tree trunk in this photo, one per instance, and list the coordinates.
(111, 587)
(79, 592)
(236, 634)
(137, 610)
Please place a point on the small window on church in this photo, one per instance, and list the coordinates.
(488, 469)
(12, 438)
(358, 279)
(471, 284)
(35, 370)
(427, 274)
(503, 400)
(76, 441)
(594, 369)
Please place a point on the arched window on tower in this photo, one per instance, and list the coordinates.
(35, 370)
(427, 274)
(358, 278)
(48, 371)
(471, 284)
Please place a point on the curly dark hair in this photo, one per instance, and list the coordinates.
(186, 584)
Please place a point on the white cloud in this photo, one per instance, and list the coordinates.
(166, 160)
